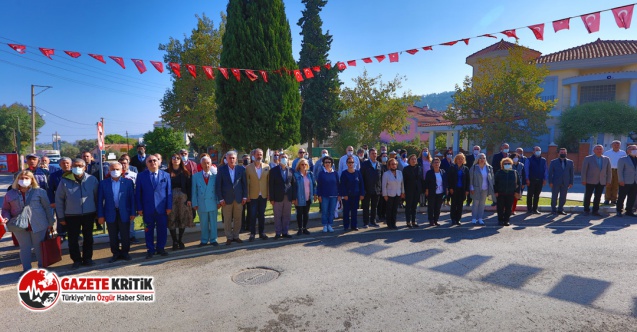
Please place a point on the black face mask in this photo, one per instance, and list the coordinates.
(140, 152)
(245, 163)
(562, 155)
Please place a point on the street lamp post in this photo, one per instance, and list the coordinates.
(33, 94)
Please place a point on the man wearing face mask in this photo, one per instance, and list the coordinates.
(275, 159)
(372, 172)
(76, 207)
(536, 175)
(521, 157)
(302, 154)
(116, 207)
(41, 175)
(54, 181)
(497, 158)
(560, 180)
(319, 163)
(342, 164)
(139, 161)
(627, 177)
(190, 165)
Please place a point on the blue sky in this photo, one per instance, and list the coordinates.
(85, 90)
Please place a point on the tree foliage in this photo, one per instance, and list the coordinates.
(10, 117)
(321, 104)
(69, 150)
(86, 144)
(190, 104)
(164, 141)
(258, 114)
(502, 103)
(373, 106)
(589, 119)
(118, 139)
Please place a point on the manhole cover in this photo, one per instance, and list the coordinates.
(255, 276)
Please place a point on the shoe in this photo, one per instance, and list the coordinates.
(512, 213)
(263, 237)
(201, 244)
(536, 212)
(134, 240)
(613, 203)
(586, 213)
(238, 240)
(473, 221)
(365, 226)
(163, 253)
(76, 265)
(181, 245)
(562, 213)
(355, 229)
(554, 213)
(324, 229)
(251, 238)
(373, 224)
(480, 222)
(228, 242)
(299, 232)
(408, 225)
(458, 223)
(619, 215)
(606, 203)
(113, 259)
(88, 263)
(287, 236)
(529, 211)
(278, 236)
(149, 255)
(127, 257)
(175, 246)
(306, 232)
(506, 223)
(214, 244)
(436, 223)
(597, 214)
(414, 225)
(330, 229)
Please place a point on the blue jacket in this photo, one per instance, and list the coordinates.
(559, 176)
(327, 184)
(352, 184)
(106, 200)
(54, 182)
(531, 163)
(204, 196)
(230, 191)
(150, 199)
(300, 188)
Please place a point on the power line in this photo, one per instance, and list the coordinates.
(65, 119)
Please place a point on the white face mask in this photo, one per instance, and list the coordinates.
(538, 153)
(325, 155)
(505, 150)
(24, 182)
(508, 166)
(515, 160)
(476, 152)
(350, 153)
(184, 158)
(77, 170)
(116, 173)
(284, 161)
(633, 153)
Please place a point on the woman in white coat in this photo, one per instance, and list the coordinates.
(481, 179)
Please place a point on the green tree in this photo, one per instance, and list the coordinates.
(321, 104)
(589, 119)
(258, 114)
(69, 150)
(86, 144)
(190, 104)
(502, 103)
(373, 106)
(15, 125)
(164, 141)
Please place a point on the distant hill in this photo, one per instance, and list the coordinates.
(436, 101)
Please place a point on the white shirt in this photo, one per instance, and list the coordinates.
(484, 173)
(439, 188)
(231, 170)
(614, 156)
(342, 163)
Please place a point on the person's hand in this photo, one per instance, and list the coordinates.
(528, 182)
(272, 203)
(62, 222)
(496, 194)
(294, 202)
(2, 221)
(570, 186)
(218, 206)
(168, 211)
(196, 208)
(451, 191)
(189, 204)
(139, 213)
(222, 202)
(243, 201)
(362, 198)
(427, 193)
(339, 198)
(132, 218)
(50, 229)
(471, 192)
(100, 220)
(320, 199)
(53, 205)
(622, 184)
(345, 197)
(315, 198)
(248, 200)
(386, 198)
(466, 193)
(544, 183)
(550, 185)
(583, 182)
(402, 196)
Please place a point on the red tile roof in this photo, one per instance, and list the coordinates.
(597, 49)
(502, 45)
(424, 115)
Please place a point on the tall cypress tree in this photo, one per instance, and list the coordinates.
(321, 104)
(258, 114)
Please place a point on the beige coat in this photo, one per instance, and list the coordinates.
(256, 185)
(591, 174)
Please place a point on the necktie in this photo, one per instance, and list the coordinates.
(154, 179)
(562, 164)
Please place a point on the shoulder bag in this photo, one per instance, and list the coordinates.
(21, 221)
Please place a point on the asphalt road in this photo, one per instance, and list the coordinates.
(565, 274)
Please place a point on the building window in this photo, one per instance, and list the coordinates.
(589, 94)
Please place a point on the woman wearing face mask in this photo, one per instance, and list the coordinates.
(425, 165)
(27, 192)
(382, 205)
(458, 176)
(445, 164)
(481, 186)
(506, 184)
(412, 177)
(181, 215)
(327, 192)
(435, 189)
(518, 166)
(393, 191)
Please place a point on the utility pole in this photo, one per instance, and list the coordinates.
(33, 94)
(127, 148)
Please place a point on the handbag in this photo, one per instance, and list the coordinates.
(51, 249)
(21, 221)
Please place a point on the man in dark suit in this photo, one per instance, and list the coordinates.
(560, 180)
(139, 161)
(282, 194)
(372, 173)
(232, 191)
(116, 206)
(497, 158)
(154, 201)
(536, 174)
(627, 177)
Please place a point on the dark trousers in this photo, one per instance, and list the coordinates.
(370, 208)
(159, 220)
(558, 190)
(246, 216)
(119, 230)
(434, 202)
(457, 200)
(257, 212)
(302, 215)
(74, 226)
(533, 194)
(382, 208)
(597, 189)
(391, 210)
(630, 191)
(411, 204)
(504, 205)
(350, 211)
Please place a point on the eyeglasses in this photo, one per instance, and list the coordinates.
(327, 162)
(184, 153)
(176, 158)
(301, 152)
(507, 164)
(152, 160)
(350, 162)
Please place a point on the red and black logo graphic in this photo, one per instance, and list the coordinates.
(39, 290)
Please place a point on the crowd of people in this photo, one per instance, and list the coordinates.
(379, 181)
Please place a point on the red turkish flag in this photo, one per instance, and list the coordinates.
(192, 69)
(47, 52)
(18, 48)
(510, 33)
(379, 58)
(538, 31)
(175, 68)
(224, 72)
(209, 72)
(140, 65)
(351, 63)
(308, 73)
(428, 48)
(298, 76)
(489, 35)
(623, 16)
(119, 61)
(158, 65)
(237, 73)
(98, 57)
(591, 22)
(251, 75)
(451, 43)
(466, 41)
(317, 69)
(561, 24)
(412, 52)
(328, 66)
(264, 75)
(393, 57)
(367, 60)
(341, 66)
(73, 54)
